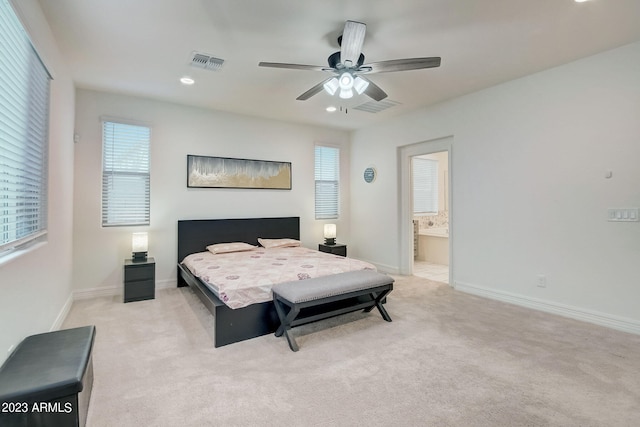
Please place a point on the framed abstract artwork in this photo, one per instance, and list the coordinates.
(226, 172)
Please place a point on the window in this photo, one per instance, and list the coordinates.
(125, 174)
(327, 175)
(425, 185)
(24, 126)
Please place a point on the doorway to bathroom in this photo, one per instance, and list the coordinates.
(430, 209)
(426, 224)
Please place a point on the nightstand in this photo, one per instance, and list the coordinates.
(139, 280)
(337, 249)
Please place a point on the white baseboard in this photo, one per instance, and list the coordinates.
(166, 284)
(383, 267)
(602, 319)
(63, 314)
(102, 291)
(115, 290)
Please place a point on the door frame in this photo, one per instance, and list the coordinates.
(405, 153)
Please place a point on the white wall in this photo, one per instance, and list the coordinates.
(530, 195)
(177, 131)
(35, 287)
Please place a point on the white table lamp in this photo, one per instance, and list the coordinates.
(139, 246)
(329, 234)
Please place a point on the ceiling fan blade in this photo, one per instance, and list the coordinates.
(294, 66)
(351, 45)
(313, 91)
(400, 65)
(373, 91)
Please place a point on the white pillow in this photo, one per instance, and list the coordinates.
(224, 248)
(279, 243)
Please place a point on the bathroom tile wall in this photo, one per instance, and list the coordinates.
(440, 220)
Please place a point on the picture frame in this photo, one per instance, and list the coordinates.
(229, 172)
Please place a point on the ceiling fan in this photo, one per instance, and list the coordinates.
(347, 67)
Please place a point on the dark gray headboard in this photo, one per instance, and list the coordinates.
(196, 234)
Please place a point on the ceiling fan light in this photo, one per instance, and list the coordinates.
(346, 93)
(346, 81)
(331, 86)
(360, 85)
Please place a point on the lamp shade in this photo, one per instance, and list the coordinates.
(345, 93)
(345, 81)
(360, 85)
(139, 242)
(331, 86)
(329, 231)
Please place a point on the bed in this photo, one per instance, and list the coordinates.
(255, 319)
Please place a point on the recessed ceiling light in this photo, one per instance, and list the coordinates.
(187, 81)
(580, 1)
(331, 108)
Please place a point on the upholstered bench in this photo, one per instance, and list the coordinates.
(304, 301)
(47, 380)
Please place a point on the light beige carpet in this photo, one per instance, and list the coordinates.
(447, 359)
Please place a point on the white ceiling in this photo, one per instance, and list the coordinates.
(143, 47)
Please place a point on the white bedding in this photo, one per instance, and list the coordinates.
(243, 278)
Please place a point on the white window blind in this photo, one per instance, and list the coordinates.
(125, 174)
(425, 185)
(24, 126)
(327, 177)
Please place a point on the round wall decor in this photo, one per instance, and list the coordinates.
(369, 175)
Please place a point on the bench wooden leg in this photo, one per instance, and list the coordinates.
(378, 303)
(292, 342)
(383, 312)
(285, 322)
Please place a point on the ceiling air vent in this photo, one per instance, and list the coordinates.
(206, 61)
(376, 106)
